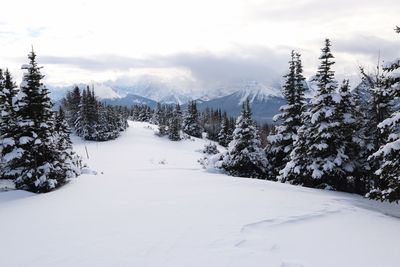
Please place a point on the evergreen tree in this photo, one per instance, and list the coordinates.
(225, 134)
(281, 143)
(36, 161)
(318, 159)
(348, 138)
(70, 161)
(8, 126)
(191, 124)
(245, 157)
(174, 128)
(161, 119)
(387, 187)
(380, 106)
(74, 102)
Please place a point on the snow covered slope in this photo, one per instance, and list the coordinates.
(152, 205)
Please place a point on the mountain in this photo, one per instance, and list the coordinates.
(265, 102)
(131, 100)
(156, 90)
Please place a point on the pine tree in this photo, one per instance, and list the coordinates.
(4, 115)
(225, 134)
(281, 143)
(36, 162)
(191, 124)
(348, 137)
(70, 161)
(8, 126)
(387, 187)
(160, 118)
(174, 128)
(245, 157)
(74, 102)
(317, 158)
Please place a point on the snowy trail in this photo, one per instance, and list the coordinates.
(154, 206)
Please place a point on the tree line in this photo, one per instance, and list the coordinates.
(90, 118)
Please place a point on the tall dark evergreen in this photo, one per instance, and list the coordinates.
(191, 124)
(161, 119)
(281, 143)
(225, 134)
(175, 124)
(387, 187)
(245, 157)
(72, 105)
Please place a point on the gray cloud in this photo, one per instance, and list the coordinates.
(261, 64)
(369, 46)
(253, 63)
(97, 63)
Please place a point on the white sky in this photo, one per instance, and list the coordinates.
(204, 42)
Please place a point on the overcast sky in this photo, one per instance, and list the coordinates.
(203, 43)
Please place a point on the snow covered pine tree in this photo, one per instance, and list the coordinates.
(36, 162)
(225, 134)
(245, 157)
(388, 186)
(69, 159)
(8, 126)
(318, 157)
(191, 124)
(175, 124)
(281, 143)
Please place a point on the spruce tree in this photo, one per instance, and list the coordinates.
(225, 134)
(71, 162)
(74, 102)
(281, 143)
(174, 128)
(317, 160)
(387, 188)
(348, 136)
(160, 118)
(8, 126)
(191, 124)
(245, 157)
(37, 160)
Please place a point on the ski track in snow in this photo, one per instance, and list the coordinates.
(151, 204)
(280, 221)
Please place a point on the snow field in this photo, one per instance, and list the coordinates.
(151, 204)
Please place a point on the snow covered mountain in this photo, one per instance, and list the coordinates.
(265, 102)
(155, 90)
(131, 100)
(152, 204)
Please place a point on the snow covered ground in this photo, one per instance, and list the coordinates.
(151, 204)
